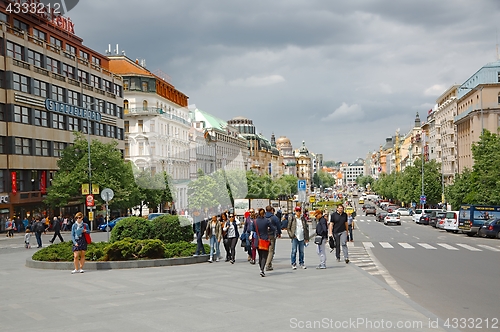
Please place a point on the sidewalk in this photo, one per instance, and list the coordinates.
(205, 297)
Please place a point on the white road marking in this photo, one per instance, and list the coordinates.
(466, 246)
(416, 237)
(426, 246)
(406, 246)
(488, 247)
(386, 245)
(447, 246)
(368, 245)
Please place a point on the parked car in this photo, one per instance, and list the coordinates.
(392, 218)
(365, 206)
(103, 227)
(151, 216)
(392, 208)
(490, 228)
(370, 210)
(402, 211)
(381, 216)
(424, 219)
(436, 217)
(451, 222)
(416, 215)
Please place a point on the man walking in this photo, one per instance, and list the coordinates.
(38, 228)
(298, 231)
(272, 236)
(56, 226)
(338, 228)
(199, 227)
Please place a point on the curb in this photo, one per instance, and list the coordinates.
(117, 264)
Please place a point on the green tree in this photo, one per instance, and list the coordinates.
(363, 180)
(327, 180)
(486, 154)
(108, 169)
(201, 192)
(155, 189)
(463, 190)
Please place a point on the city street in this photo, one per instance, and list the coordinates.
(453, 275)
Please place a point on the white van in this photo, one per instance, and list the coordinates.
(451, 221)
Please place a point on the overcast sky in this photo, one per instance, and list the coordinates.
(340, 75)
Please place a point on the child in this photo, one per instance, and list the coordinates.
(27, 237)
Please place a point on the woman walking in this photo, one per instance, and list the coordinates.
(321, 230)
(249, 230)
(263, 227)
(232, 234)
(79, 243)
(214, 233)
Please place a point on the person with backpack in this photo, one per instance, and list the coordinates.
(321, 230)
(272, 236)
(38, 229)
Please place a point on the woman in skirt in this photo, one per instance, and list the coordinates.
(79, 242)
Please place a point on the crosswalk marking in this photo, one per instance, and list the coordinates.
(466, 246)
(406, 246)
(368, 245)
(426, 246)
(446, 246)
(488, 247)
(386, 245)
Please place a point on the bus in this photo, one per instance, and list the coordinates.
(471, 217)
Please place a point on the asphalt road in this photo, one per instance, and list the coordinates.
(452, 275)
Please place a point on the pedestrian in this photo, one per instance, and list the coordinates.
(298, 231)
(213, 232)
(79, 243)
(27, 237)
(263, 227)
(56, 226)
(321, 230)
(225, 241)
(272, 236)
(38, 229)
(65, 224)
(350, 224)
(231, 229)
(199, 227)
(9, 228)
(26, 223)
(338, 228)
(248, 229)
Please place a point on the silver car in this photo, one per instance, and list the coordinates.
(392, 218)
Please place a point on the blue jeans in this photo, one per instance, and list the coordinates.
(300, 244)
(38, 236)
(214, 247)
(200, 249)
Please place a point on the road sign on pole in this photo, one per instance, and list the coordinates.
(302, 185)
(107, 194)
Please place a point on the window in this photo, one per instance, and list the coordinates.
(87, 102)
(58, 121)
(141, 124)
(68, 71)
(95, 81)
(127, 150)
(107, 86)
(2, 144)
(83, 76)
(58, 149)
(21, 25)
(152, 148)
(83, 126)
(119, 133)
(99, 129)
(4, 17)
(35, 58)
(125, 104)
(2, 79)
(73, 97)
(145, 105)
(70, 49)
(125, 85)
(110, 108)
(72, 124)
(53, 65)
(41, 118)
(111, 131)
(58, 93)
(141, 148)
(152, 126)
(55, 41)
(118, 90)
(40, 88)
(96, 61)
(145, 86)
(84, 55)
(39, 34)
(15, 51)
(22, 146)
(119, 112)
(126, 126)
(41, 148)
(20, 83)
(2, 112)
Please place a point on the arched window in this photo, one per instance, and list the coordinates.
(145, 105)
(125, 104)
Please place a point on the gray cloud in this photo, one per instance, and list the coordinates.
(289, 64)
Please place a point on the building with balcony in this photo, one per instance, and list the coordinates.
(157, 125)
(284, 146)
(478, 108)
(51, 86)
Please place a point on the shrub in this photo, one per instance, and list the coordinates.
(131, 227)
(150, 249)
(60, 252)
(120, 250)
(182, 249)
(169, 229)
(96, 251)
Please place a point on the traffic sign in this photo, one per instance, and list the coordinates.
(302, 185)
(312, 199)
(107, 194)
(423, 198)
(90, 200)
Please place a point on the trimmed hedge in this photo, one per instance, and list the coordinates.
(171, 229)
(131, 227)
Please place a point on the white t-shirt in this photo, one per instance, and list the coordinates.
(299, 230)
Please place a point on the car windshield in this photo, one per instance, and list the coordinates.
(418, 211)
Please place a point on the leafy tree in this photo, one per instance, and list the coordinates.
(154, 188)
(486, 154)
(462, 190)
(108, 169)
(363, 180)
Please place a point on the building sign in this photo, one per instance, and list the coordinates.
(4, 199)
(55, 106)
(50, 12)
(13, 176)
(43, 182)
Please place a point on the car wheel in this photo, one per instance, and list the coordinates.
(455, 231)
(498, 235)
(470, 234)
(108, 229)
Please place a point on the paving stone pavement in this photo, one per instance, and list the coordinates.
(205, 297)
